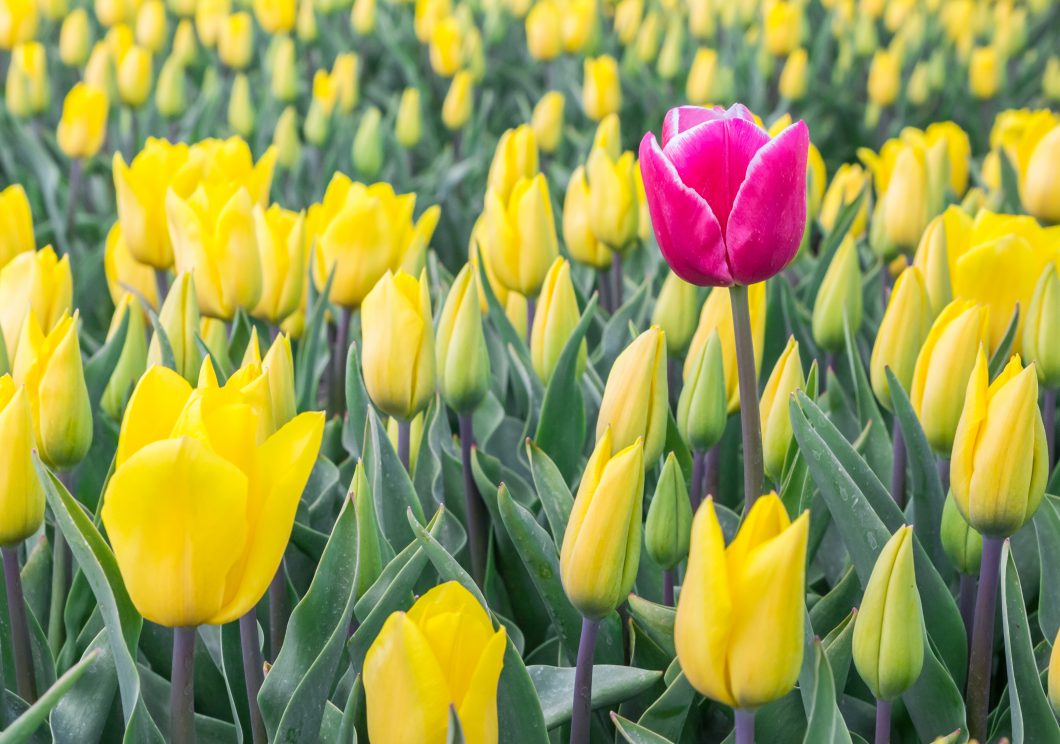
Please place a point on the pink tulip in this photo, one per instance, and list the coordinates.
(728, 204)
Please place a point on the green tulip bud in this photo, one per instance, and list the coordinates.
(668, 529)
(408, 127)
(962, 543)
(240, 107)
(1040, 344)
(702, 408)
(368, 144)
(132, 362)
(285, 138)
(677, 313)
(170, 97)
(838, 299)
(463, 359)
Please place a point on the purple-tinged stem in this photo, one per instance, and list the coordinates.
(668, 587)
(473, 506)
(898, 467)
(338, 361)
(944, 473)
(279, 611)
(750, 423)
(695, 491)
(980, 661)
(253, 672)
(616, 279)
(182, 687)
(405, 444)
(883, 722)
(745, 726)
(531, 313)
(16, 612)
(162, 285)
(1049, 419)
(583, 683)
(711, 472)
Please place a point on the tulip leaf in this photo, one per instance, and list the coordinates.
(299, 683)
(26, 724)
(824, 722)
(621, 327)
(1032, 717)
(1047, 527)
(357, 406)
(391, 489)
(552, 491)
(934, 702)
(878, 447)
(220, 367)
(309, 362)
(122, 622)
(455, 734)
(838, 646)
(1010, 184)
(1004, 350)
(499, 319)
(611, 685)
(84, 710)
(448, 568)
(634, 733)
(667, 715)
(655, 620)
(164, 346)
(100, 367)
(843, 222)
(830, 609)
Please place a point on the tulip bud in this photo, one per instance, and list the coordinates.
(577, 233)
(408, 126)
(700, 86)
(906, 323)
(347, 87)
(838, 301)
(945, 237)
(1040, 189)
(671, 56)
(547, 120)
(16, 224)
(362, 17)
(214, 337)
(888, 646)
(761, 575)
(284, 260)
(1041, 326)
(240, 107)
(235, 40)
(134, 77)
(1000, 461)
(884, 78)
(276, 16)
(124, 273)
(514, 158)
(456, 109)
(151, 32)
(1051, 80)
(318, 119)
(612, 199)
(635, 403)
(170, 96)
(185, 47)
(943, 368)
(579, 25)
(520, 237)
(38, 283)
(962, 544)
(132, 362)
(847, 184)
(283, 67)
(84, 121)
(543, 31)
(781, 27)
(49, 365)
(463, 360)
(601, 547)
(646, 45)
(18, 22)
(398, 359)
(785, 379)
(601, 87)
(306, 22)
(676, 311)
(556, 318)
(628, 17)
(702, 406)
(21, 495)
(793, 82)
(668, 528)
(368, 144)
(986, 72)
(179, 319)
(75, 38)
(285, 139)
(28, 92)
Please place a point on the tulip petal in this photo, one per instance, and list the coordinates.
(478, 711)
(174, 512)
(688, 233)
(153, 409)
(768, 216)
(681, 118)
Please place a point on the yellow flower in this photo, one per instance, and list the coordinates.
(1041, 326)
(200, 506)
(75, 38)
(739, 624)
(269, 381)
(235, 40)
(601, 87)
(463, 361)
(839, 301)
(134, 77)
(578, 25)
(36, 282)
(1000, 461)
(21, 495)
(676, 311)
(456, 109)
(613, 213)
(408, 126)
(285, 139)
(905, 325)
(210, 16)
(16, 224)
(124, 273)
(397, 359)
(520, 235)
(284, 262)
(578, 235)
(241, 107)
(847, 183)
(782, 24)
(179, 318)
(362, 17)
(48, 364)
(185, 46)
(792, 85)
(18, 22)
(985, 72)
(944, 240)
(84, 121)
(133, 358)
(700, 86)
(275, 16)
(443, 653)
(170, 97)
(151, 26)
(785, 379)
(952, 142)
(344, 74)
(284, 76)
(884, 77)
(555, 320)
(1040, 186)
(28, 92)
(635, 402)
(514, 159)
(547, 120)
(543, 31)
(601, 545)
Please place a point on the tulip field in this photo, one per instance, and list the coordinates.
(529, 371)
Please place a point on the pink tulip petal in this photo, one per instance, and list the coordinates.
(769, 214)
(688, 233)
(682, 118)
(712, 160)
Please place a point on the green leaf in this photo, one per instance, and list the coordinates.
(1047, 528)
(308, 366)
(100, 367)
(843, 222)
(1003, 353)
(24, 726)
(667, 715)
(934, 702)
(357, 405)
(611, 685)
(448, 568)
(556, 499)
(1032, 717)
(824, 722)
(391, 489)
(634, 733)
(655, 620)
(455, 735)
(878, 447)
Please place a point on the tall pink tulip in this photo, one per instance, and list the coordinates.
(728, 204)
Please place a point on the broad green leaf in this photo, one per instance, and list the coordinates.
(611, 685)
(1047, 528)
(1002, 354)
(309, 361)
(552, 491)
(24, 726)
(634, 733)
(824, 722)
(878, 447)
(655, 620)
(357, 406)
(667, 715)
(392, 491)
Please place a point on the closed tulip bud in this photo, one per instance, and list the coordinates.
(905, 325)
(515, 158)
(21, 494)
(185, 47)
(446, 48)
(345, 72)
(847, 184)
(700, 86)
(838, 303)
(284, 260)
(408, 126)
(1040, 187)
(235, 40)
(646, 45)
(1040, 343)
(284, 76)
(613, 214)
(1000, 460)
(676, 311)
(906, 206)
(555, 320)
(635, 402)
(884, 77)
(75, 38)
(753, 591)
(786, 378)
(943, 369)
(442, 656)
(170, 96)
(362, 17)
(241, 107)
(1051, 79)
(463, 361)
(520, 236)
(100, 71)
(962, 544)
(179, 319)
(84, 121)
(48, 364)
(37, 283)
(368, 144)
(601, 87)
(579, 25)
(151, 26)
(214, 335)
(275, 376)
(781, 27)
(919, 89)
(16, 224)
(628, 17)
(985, 73)
(398, 359)
(135, 77)
(601, 545)
(456, 109)
(578, 235)
(793, 82)
(306, 23)
(543, 31)
(702, 406)
(547, 120)
(276, 16)
(285, 139)
(888, 646)
(124, 273)
(933, 255)
(132, 362)
(27, 89)
(668, 528)
(671, 56)
(18, 22)
(204, 546)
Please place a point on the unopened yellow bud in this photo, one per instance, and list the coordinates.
(884, 78)
(151, 31)
(21, 494)
(408, 128)
(1040, 187)
(985, 73)
(284, 77)
(463, 360)
(185, 46)
(75, 38)
(786, 378)
(839, 300)
(28, 92)
(520, 235)
(547, 120)
(179, 319)
(362, 17)
(906, 323)
(514, 158)
(793, 83)
(635, 400)
(16, 224)
(368, 144)
(700, 86)
(285, 139)
(601, 87)
(1041, 346)
(555, 320)
(84, 121)
(235, 40)
(456, 109)
(135, 77)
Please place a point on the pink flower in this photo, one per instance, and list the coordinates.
(728, 204)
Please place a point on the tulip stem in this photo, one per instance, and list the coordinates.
(711, 472)
(473, 506)
(531, 312)
(982, 655)
(253, 672)
(668, 587)
(604, 282)
(405, 445)
(342, 348)
(162, 283)
(583, 683)
(182, 687)
(695, 491)
(883, 721)
(745, 726)
(279, 608)
(1049, 416)
(966, 603)
(898, 467)
(72, 196)
(748, 377)
(944, 473)
(16, 612)
(616, 278)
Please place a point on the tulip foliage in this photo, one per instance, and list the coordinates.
(529, 371)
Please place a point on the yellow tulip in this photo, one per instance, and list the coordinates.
(781, 25)
(847, 183)
(463, 361)
(151, 26)
(214, 335)
(905, 325)
(635, 402)
(427, 14)
(113, 13)
(884, 78)
(241, 107)
(442, 654)
(200, 506)
(1039, 330)
(520, 235)
(646, 45)
(21, 495)
(38, 283)
(132, 362)
(952, 142)
(514, 159)
(398, 359)
(671, 55)
(547, 120)
(985, 73)
(16, 224)
(700, 86)
(579, 23)
(628, 17)
(170, 96)
(27, 89)
(557, 316)
(944, 240)
(601, 546)
(48, 364)
(284, 77)
(456, 109)
(134, 77)
(839, 300)
(613, 214)
(1040, 186)
(408, 125)
(676, 312)
(269, 380)
(179, 318)
(285, 139)
(1000, 460)
(284, 262)
(185, 46)
(906, 205)
(601, 87)
(785, 379)
(235, 40)
(84, 121)
(344, 72)
(793, 82)
(275, 16)
(750, 596)
(18, 22)
(306, 23)
(578, 235)
(210, 16)
(124, 273)
(75, 38)
(543, 31)
(362, 17)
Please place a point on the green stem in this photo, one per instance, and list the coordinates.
(16, 612)
(60, 580)
(182, 687)
(748, 377)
